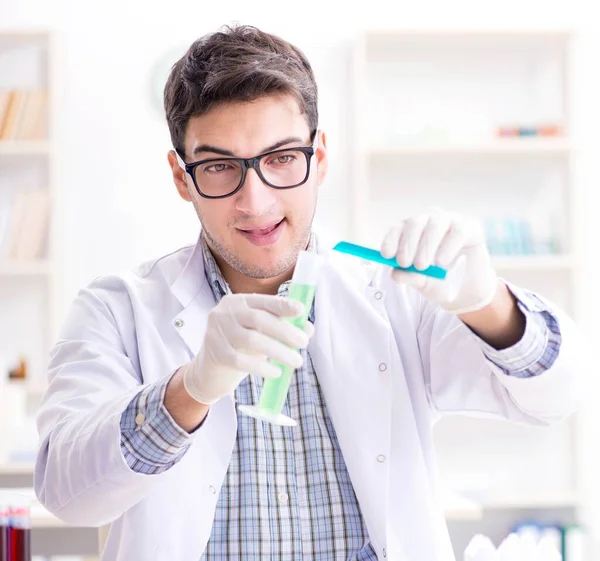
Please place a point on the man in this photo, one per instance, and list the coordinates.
(140, 427)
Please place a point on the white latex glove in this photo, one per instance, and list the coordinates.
(243, 332)
(513, 548)
(443, 238)
(480, 548)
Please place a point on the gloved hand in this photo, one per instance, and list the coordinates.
(443, 238)
(243, 331)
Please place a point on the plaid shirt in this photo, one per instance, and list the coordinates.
(275, 502)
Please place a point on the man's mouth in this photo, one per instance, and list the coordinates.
(262, 230)
(263, 234)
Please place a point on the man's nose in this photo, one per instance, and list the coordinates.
(255, 197)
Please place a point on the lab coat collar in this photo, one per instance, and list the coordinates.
(192, 279)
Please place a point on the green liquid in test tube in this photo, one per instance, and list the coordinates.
(275, 390)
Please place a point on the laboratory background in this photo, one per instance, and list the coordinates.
(487, 108)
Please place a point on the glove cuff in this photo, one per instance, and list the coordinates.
(189, 383)
(473, 308)
(481, 303)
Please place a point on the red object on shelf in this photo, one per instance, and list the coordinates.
(19, 534)
(508, 131)
(550, 130)
(20, 544)
(3, 534)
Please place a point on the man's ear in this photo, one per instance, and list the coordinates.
(321, 157)
(180, 177)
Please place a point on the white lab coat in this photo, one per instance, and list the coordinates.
(389, 364)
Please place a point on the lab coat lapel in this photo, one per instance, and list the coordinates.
(195, 295)
(351, 352)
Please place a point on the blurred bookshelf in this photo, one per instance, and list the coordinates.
(23, 147)
(524, 146)
(479, 122)
(29, 201)
(28, 198)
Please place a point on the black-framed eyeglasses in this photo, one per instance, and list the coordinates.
(284, 168)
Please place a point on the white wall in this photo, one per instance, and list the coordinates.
(120, 205)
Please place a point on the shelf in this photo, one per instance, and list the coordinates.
(533, 262)
(459, 508)
(547, 500)
(16, 469)
(24, 148)
(25, 36)
(508, 146)
(25, 268)
(428, 38)
(40, 517)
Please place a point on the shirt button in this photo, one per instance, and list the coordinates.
(383, 367)
(283, 498)
(378, 295)
(179, 322)
(381, 458)
(140, 419)
(212, 490)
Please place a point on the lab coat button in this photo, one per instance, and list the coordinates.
(378, 295)
(212, 489)
(384, 552)
(140, 419)
(179, 322)
(283, 498)
(383, 367)
(381, 458)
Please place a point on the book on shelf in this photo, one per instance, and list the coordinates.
(24, 221)
(23, 114)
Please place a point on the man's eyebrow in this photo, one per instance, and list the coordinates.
(223, 152)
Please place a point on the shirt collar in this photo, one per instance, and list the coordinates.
(219, 285)
(213, 273)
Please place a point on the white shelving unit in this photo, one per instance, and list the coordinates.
(17, 468)
(27, 287)
(24, 148)
(522, 146)
(427, 109)
(535, 263)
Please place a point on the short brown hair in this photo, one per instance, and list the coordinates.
(238, 63)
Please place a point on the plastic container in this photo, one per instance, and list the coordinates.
(274, 391)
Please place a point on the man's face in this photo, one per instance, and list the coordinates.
(259, 230)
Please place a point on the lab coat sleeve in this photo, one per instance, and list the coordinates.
(81, 474)
(539, 346)
(151, 440)
(461, 378)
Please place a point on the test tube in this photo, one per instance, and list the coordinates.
(4, 521)
(274, 391)
(19, 530)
